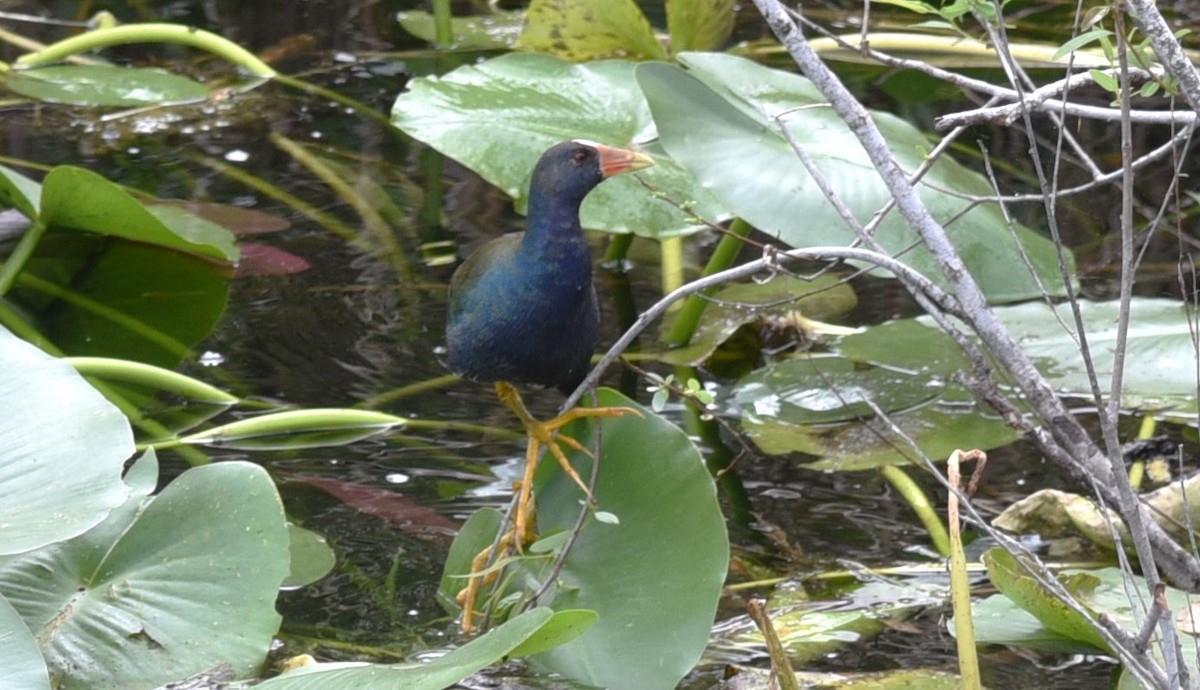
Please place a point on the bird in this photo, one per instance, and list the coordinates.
(523, 311)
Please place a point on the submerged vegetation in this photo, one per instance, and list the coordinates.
(128, 559)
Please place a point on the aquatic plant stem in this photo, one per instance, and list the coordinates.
(618, 249)
(149, 33)
(960, 585)
(20, 254)
(684, 326)
(443, 27)
(671, 263)
(781, 665)
(920, 504)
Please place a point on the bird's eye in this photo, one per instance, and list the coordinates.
(581, 156)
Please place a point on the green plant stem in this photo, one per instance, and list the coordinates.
(618, 249)
(376, 401)
(780, 662)
(960, 590)
(151, 377)
(1137, 470)
(920, 504)
(149, 33)
(684, 326)
(20, 255)
(443, 28)
(672, 264)
(442, 425)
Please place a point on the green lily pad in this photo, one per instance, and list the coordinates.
(1015, 583)
(165, 587)
(741, 303)
(655, 578)
(497, 29)
(310, 557)
(652, 577)
(23, 663)
(1159, 367)
(819, 406)
(64, 449)
(721, 119)
(436, 674)
(999, 620)
(582, 30)
(105, 85)
(499, 116)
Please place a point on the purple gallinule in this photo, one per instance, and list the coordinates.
(523, 311)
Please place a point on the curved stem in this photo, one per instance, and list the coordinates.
(149, 33)
(920, 504)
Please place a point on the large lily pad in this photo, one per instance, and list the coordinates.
(165, 587)
(654, 578)
(651, 568)
(823, 406)
(724, 118)
(499, 116)
(1160, 367)
(64, 448)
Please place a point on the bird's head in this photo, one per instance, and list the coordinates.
(571, 169)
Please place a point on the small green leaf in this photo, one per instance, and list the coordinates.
(20, 192)
(659, 401)
(1105, 80)
(1080, 41)
(607, 517)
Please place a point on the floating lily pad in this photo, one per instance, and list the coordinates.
(1160, 367)
(497, 29)
(105, 85)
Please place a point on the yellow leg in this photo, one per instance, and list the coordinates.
(545, 434)
(541, 435)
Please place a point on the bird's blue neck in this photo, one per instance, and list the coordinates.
(552, 221)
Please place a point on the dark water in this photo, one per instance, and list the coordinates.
(353, 327)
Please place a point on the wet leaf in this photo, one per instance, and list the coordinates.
(738, 304)
(1015, 583)
(498, 117)
(497, 29)
(19, 192)
(93, 296)
(261, 260)
(653, 578)
(105, 85)
(309, 555)
(63, 452)
(582, 30)
(1159, 368)
(23, 663)
(719, 120)
(435, 674)
(819, 406)
(166, 586)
